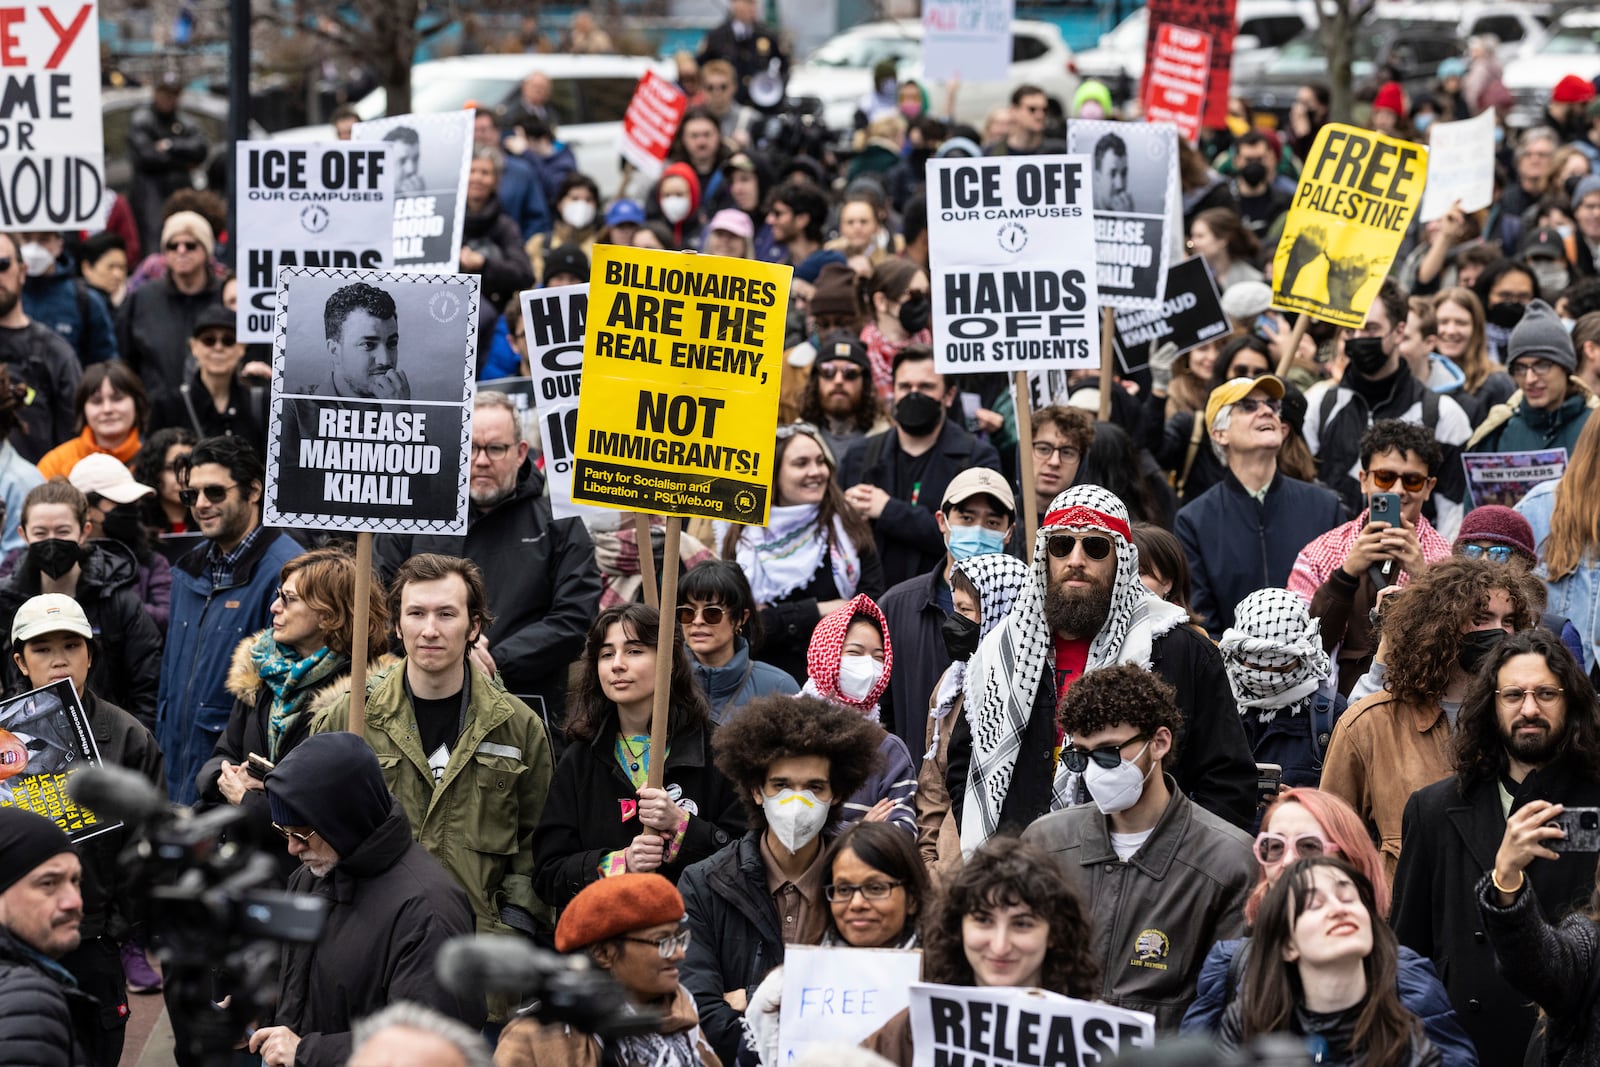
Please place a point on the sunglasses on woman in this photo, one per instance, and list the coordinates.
(711, 614)
(1094, 547)
(1271, 847)
(1385, 480)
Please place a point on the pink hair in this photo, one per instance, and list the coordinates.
(1343, 829)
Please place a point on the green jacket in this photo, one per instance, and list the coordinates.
(478, 822)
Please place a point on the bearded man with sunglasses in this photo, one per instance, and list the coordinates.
(1165, 879)
(390, 907)
(1341, 573)
(1085, 608)
(1242, 534)
(222, 592)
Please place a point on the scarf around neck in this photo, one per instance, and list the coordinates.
(1005, 673)
(781, 556)
(292, 681)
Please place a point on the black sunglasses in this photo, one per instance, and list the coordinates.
(1093, 546)
(216, 494)
(1247, 405)
(1077, 760)
(182, 246)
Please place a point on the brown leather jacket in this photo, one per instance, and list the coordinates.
(938, 836)
(527, 1043)
(1382, 751)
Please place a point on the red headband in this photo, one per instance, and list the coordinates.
(1078, 515)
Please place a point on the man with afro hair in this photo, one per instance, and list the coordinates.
(1166, 879)
(794, 761)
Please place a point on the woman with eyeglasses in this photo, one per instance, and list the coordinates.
(603, 817)
(877, 891)
(111, 407)
(719, 623)
(281, 675)
(1305, 824)
(1013, 917)
(1325, 970)
(1565, 516)
(156, 465)
(848, 664)
(813, 555)
(630, 926)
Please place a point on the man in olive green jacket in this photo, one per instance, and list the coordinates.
(469, 762)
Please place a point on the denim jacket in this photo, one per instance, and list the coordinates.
(1577, 596)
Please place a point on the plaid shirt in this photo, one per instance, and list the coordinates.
(1318, 560)
(223, 563)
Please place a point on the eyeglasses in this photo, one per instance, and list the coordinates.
(1248, 405)
(1243, 370)
(496, 453)
(1514, 696)
(284, 595)
(1094, 547)
(849, 374)
(711, 614)
(1034, 109)
(1044, 450)
(668, 946)
(215, 494)
(1524, 367)
(1385, 480)
(212, 340)
(1495, 553)
(1271, 847)
(1077, 759)
(182, 246)
(844, 892)
(295, 835)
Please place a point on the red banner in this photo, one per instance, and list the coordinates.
(1215, 19)
(651, 122)
(1175, 80)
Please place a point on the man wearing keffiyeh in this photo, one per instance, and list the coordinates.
(1085, 608)
(1279, 673)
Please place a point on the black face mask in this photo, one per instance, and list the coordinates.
(916, 313)
(1506, 314)
(122, 524)
(1254, 173)
(960, 636)
(917, 414)
(1366, 355)
(55, 556)
(1476, 646)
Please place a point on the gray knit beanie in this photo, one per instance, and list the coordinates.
(1540, 335)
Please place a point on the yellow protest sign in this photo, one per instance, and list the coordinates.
(678, 409)
(1357, 194)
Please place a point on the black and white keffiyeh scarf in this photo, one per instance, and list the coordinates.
(1273, 654)
(998, 579)
(1005, 673)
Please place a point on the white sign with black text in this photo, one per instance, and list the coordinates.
(432, 159)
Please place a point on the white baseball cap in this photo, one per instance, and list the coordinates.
(50, 613)
(107, 476)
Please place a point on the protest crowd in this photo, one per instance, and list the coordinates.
(1217, 656)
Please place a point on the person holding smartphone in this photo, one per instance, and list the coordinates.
(1341, 573)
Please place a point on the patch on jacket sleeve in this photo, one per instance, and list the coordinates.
(630, 808)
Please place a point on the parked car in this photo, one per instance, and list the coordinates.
(590, 93)
(1414, 51)
(1571, 47)
(840, 72)
(1517, 26)
(1264, 26)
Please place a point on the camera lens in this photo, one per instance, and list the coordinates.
(1589, 820)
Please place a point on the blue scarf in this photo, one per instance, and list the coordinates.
(292, 682)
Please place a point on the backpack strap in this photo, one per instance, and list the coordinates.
(1236, 971)
(1330, 397)
(1430, 410)
(1193, 449)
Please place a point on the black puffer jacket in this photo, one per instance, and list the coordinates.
(506, 269)
(45, 1021)
(123, 741)
(128, 643)
(735, 938)
(153, 328)
(544, 588)
(391, 908)
(588, 813)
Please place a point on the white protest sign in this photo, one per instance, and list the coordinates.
(432, 158)
(1012, 255)
(553, 323)
(1136, 195)
(841, 994)
(1460, 166)
(371, 421)
(328, 204)
(966, 39)
(52, 150)
(1010, 1027)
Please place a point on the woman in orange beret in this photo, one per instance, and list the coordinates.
(631, 925)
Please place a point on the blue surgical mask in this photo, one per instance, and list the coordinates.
(1423, 121)
(969, 541)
